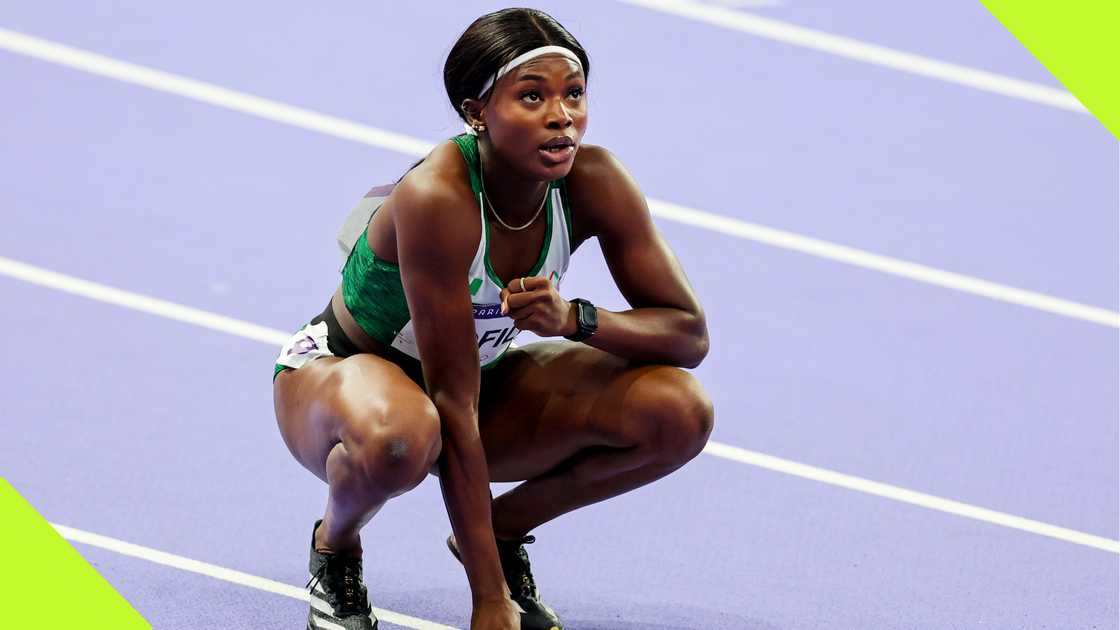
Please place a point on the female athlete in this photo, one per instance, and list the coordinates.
(410, 369)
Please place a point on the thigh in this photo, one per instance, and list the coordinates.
(547, 401)
(353, 401)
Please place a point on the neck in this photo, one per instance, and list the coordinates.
(515, 197)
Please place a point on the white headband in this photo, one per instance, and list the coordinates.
(520, 59)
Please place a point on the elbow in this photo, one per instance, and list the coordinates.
(698, 347)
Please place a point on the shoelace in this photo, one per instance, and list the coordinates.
(344, 581)
(516, 566)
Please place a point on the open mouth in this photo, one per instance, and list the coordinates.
(558, 145)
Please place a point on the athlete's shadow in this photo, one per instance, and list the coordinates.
(728, 621)
(634, 616)
(599, 624)
(621, 615)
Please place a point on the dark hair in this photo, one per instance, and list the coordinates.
(494, 40)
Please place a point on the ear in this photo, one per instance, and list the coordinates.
(474, 110)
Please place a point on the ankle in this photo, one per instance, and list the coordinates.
(341, 546)
(509, 536)
(504, 530)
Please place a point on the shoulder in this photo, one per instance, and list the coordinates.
(595, 166)
(438, 182)
(603, 191)
(433, 207)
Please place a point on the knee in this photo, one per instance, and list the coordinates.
(679, 416)
(393, 452)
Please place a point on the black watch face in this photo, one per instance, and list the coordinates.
(589, 315)
(588, 318)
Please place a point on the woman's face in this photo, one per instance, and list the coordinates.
(537, 115)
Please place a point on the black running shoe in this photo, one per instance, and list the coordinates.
(535, 614)
(338, 596)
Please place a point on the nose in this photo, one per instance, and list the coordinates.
(558, 116)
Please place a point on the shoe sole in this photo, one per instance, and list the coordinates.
(311, 627)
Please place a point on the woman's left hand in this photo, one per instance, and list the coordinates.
(534, 305)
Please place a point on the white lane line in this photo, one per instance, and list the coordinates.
(330, 125)
(118, 297)
(745, 4)
(222, 573)
(857, 50)
(903, 495)
(208, 93)
(138, 302)
(883, 264)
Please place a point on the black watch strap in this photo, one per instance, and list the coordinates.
(587, 320)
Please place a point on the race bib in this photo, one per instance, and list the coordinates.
(493, 331)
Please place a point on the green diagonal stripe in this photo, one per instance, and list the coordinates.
(46, 583)
(1079, 43)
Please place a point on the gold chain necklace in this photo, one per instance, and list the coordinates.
(494, 211)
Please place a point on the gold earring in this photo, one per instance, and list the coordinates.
(480, 128)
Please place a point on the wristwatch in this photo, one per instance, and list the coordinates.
(587, 320)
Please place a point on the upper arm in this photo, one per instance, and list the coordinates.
(434, 251)
(641, 262)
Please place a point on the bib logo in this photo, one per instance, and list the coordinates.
(303, 346)
(475, 285)
(497, 338)
(492, 329)
(487, 311)
(554, 278)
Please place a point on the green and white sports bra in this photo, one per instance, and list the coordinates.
(372, 288)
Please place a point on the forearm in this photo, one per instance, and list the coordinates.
(465, 482)
(670, 336)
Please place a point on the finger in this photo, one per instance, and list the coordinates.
(504, 297)
(528, 284)
(521, 300)
(536, 283)
(518, 314)
(528, 322)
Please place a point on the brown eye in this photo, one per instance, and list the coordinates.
(531, 96)
(575, 93)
